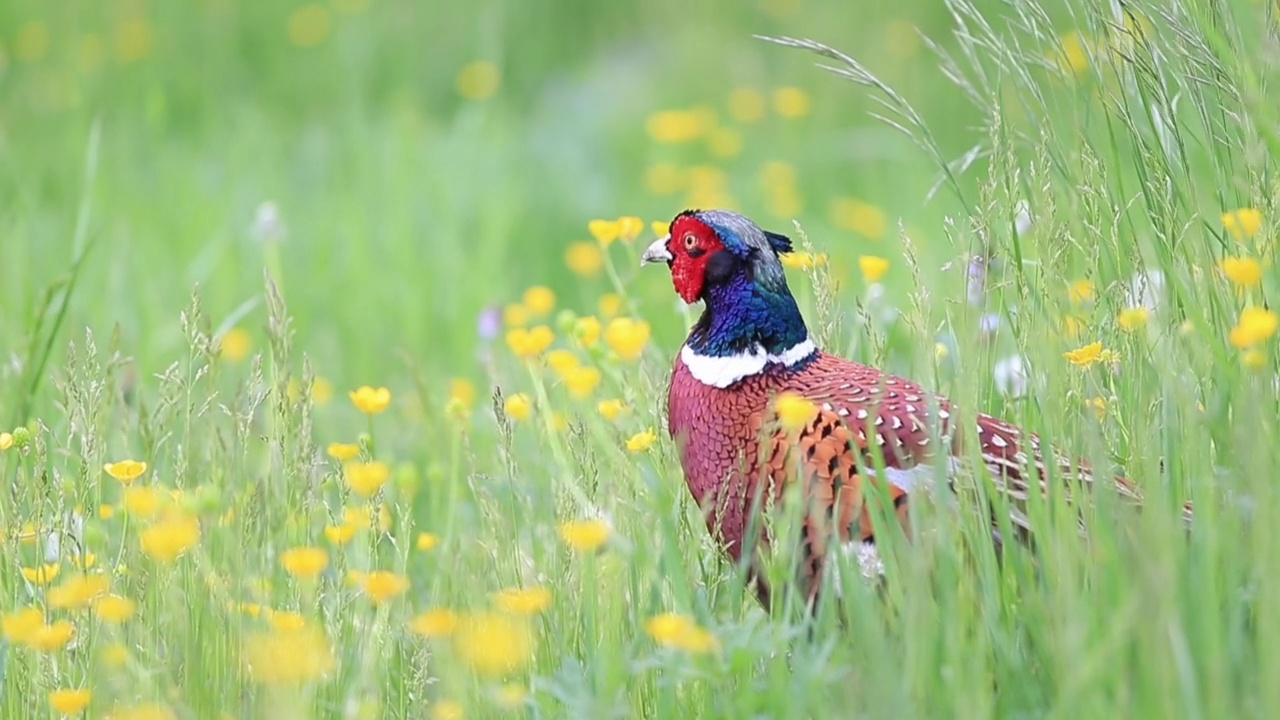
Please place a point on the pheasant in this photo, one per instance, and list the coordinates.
(750, 347)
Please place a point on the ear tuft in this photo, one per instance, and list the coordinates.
(779, 243)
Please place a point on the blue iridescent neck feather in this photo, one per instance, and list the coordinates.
(744, 315)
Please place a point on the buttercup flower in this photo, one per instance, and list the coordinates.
(427, 542)
(610, 304)
(641, 441)
(494, 644)
(126, 471)
(382, 586)
(581, 381)
(681, 633)
(1133, 318)
(523, 601)
(858, 216)
(304, 562)
(343, 451)
(790, 102)
(367, 478)
(627, 337)
(1256, 325)
(369, 400)
(518, 407)
(1245, 272)
(70, 701)
(873, 268)
(41, 574)
(540, 300)
(78, 591)
(529, 344)
(167, 540)
(586, 331)
(113, 609)
(562, 361)
(794, 412)
(585, 535)
(604, 231)
(340, 534)
(611, 409)
(584, 259)
(1242, 224)
(434, 623)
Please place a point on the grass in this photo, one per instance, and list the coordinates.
(153, 309)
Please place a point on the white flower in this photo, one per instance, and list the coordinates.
(1011, 376)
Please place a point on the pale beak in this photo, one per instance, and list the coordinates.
(657, 252)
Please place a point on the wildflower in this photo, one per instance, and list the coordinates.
(17, 626)
(585, 535)
(434, 623)
(663, 179)
(286, 620)
(516, 315)
(794, 411)
(236, 345)
(343, 451)
(145, 502)
(463, 391)
(724, 143)
(540, 300)
(367, 478)
(370, 401)
(340, 534)
(126, 471)
(41, 574)
(857, 216)
(678, 126)
(494, 643)
(803, 260)
(1243, 223)
(1072, 54)
(288, 657)
(629, 228)
(478, 80)
(584, 259)
(627, 337)
(114, 655)
(70, 701)
(78, 591)
(427, 542)
(523, 601)
(1253, 359)
(610, 304)
(106, 512)
(1085, 356)
(6, 440)
(681, 633)
(1133, 318)
(51, 637)
(1245, 272)
(382, 586)
(1099, 405)
(518, 407)
(559, 421)
(1080, 292)
(581, 381)
(562, 361)
(604, 231)
(304, 562)
(746, 105)
(529, 344)
(1255, 326)
(447, 710)
(167, 540)
(85, 561)
(586, 331)
(873, 268)
(611, 409)
(113, 609)
(790, 102)
(641, 441)
(310, 25)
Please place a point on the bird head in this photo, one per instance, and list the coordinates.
(708, 248)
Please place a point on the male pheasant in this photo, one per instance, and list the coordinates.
(751, 346)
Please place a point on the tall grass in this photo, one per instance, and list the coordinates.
(1108, 153)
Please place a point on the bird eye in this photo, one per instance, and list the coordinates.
(690, 241)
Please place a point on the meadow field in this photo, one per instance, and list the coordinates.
(331, 385)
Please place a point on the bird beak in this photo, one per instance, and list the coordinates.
(657, 252)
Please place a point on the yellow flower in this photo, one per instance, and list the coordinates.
(286, 620)
(288, 657)
(70, 701)
(660, 227)
(370, 401)
(604, 231)
(434, 623)
(679, 126)
(641, 441)
(857, 216)
(562, 361)
(746, 105)
(584, 259)
(610, 304)
(627, 337)
(304, 562)
(681, 633)
(1255, 326)
(126, 471)
(803, 260)
(145, 502)
(586, 331)
(724, 143)
(529, 344)
(343, 451)
(1099, 405)
(1245, 272)
(321, 391)
(585, 535)
(1253, 359)
(340, 534)
(41, 574)
(494, 643)
(523, 601)
(611, 409)
(873, 268)
(17, 626)
(6, 440)
(629, 228)
(85, 561)
(310, 25)
(51, 637)
(581, 381)
(516, 315)
(664, 178)
(540, 300)
(106, 512)
(382, 586)
(1080, 291)
(1072, 56)
(446, 710)
(1243, 223)
(427, 541)
(794, 411)
(167, 540)
(791, 102)
(78, 591)
(1131, 319)
(478, 80)
(236, 345)
(518, 407)
(113, 608)
(1085, 356)
(367, 478)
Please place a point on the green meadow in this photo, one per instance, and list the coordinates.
(331, 385)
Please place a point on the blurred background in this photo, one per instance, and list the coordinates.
(414, 163)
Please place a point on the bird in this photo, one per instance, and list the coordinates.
(749, 353)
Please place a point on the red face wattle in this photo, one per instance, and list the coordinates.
(691, 245)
